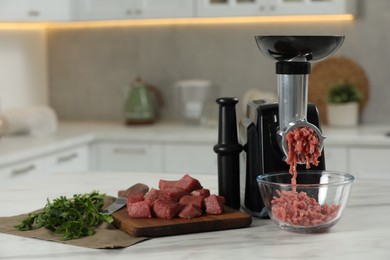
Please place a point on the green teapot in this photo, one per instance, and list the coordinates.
(140, 105)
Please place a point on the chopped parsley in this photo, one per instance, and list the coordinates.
(70, 218)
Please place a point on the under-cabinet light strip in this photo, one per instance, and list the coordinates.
(180, 21)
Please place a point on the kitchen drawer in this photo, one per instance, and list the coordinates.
(370, 162)
(132, 9)
(35, 10)
(190, 158)
(336, 158)
(127, 156)
(73, 159)
(22, 172)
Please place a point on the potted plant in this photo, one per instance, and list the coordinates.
(343, 105)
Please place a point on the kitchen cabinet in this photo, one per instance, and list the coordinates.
(211, 8)
(370, 161)
(337, 158)
(73, 159)
(190, 158)
(105, 10)
(361, 161)
(64, 160)
(76, 10)
(132, 9)
(36, 10)
(166, 9)
(127, 156)
(23, 171)
(310, 7)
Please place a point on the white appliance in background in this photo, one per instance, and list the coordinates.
(31, 120)
(192, 97)
(256, 94)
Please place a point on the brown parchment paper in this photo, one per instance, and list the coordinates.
(106, 236)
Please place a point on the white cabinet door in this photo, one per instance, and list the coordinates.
(127, 156)
(165, 8)
(22, 172)
(132, 9)
(370, 162)
(310, 7)
(73, 159)
(214, 8)
(190, 158)
(103, 9)
(35, 10)
(336, 158)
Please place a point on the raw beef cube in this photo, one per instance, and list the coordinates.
(163, 184)
(214, 204)
(166, 209)
(190, 211)
(151, 196)
(192, 200)
(139, 209)
(202, 192)
(172, 194)
(188, 183)
(135, 196)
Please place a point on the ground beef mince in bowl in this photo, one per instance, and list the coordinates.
(297, 208)
(303, 207)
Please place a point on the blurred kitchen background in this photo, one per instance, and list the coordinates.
(82, 71)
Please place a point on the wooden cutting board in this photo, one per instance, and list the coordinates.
(156, 227)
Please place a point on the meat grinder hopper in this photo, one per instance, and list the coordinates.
(267, 123)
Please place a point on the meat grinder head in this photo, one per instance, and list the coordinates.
(293, 56)
(298, 48)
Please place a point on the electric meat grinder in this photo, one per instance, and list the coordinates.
(267, 123)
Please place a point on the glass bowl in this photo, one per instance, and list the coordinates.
(314, 205)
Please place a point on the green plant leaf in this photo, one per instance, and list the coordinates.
(344, 93)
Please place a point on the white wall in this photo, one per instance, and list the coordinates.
(23, 68)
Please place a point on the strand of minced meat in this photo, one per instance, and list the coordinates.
(298, 208)
(303, 147)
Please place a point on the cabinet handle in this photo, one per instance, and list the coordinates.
(138, 11)
(129, 12)
(120, 150)
(23, 170)
(67, 158)
(33, 13)
(261, 8)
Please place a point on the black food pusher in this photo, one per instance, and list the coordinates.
(228, 150)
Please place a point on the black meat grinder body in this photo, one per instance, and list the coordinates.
(258, 133)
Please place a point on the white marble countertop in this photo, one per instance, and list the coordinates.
(362, 135)
(362, 233)
(176, 132)
(21, 147)
(15, 148)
